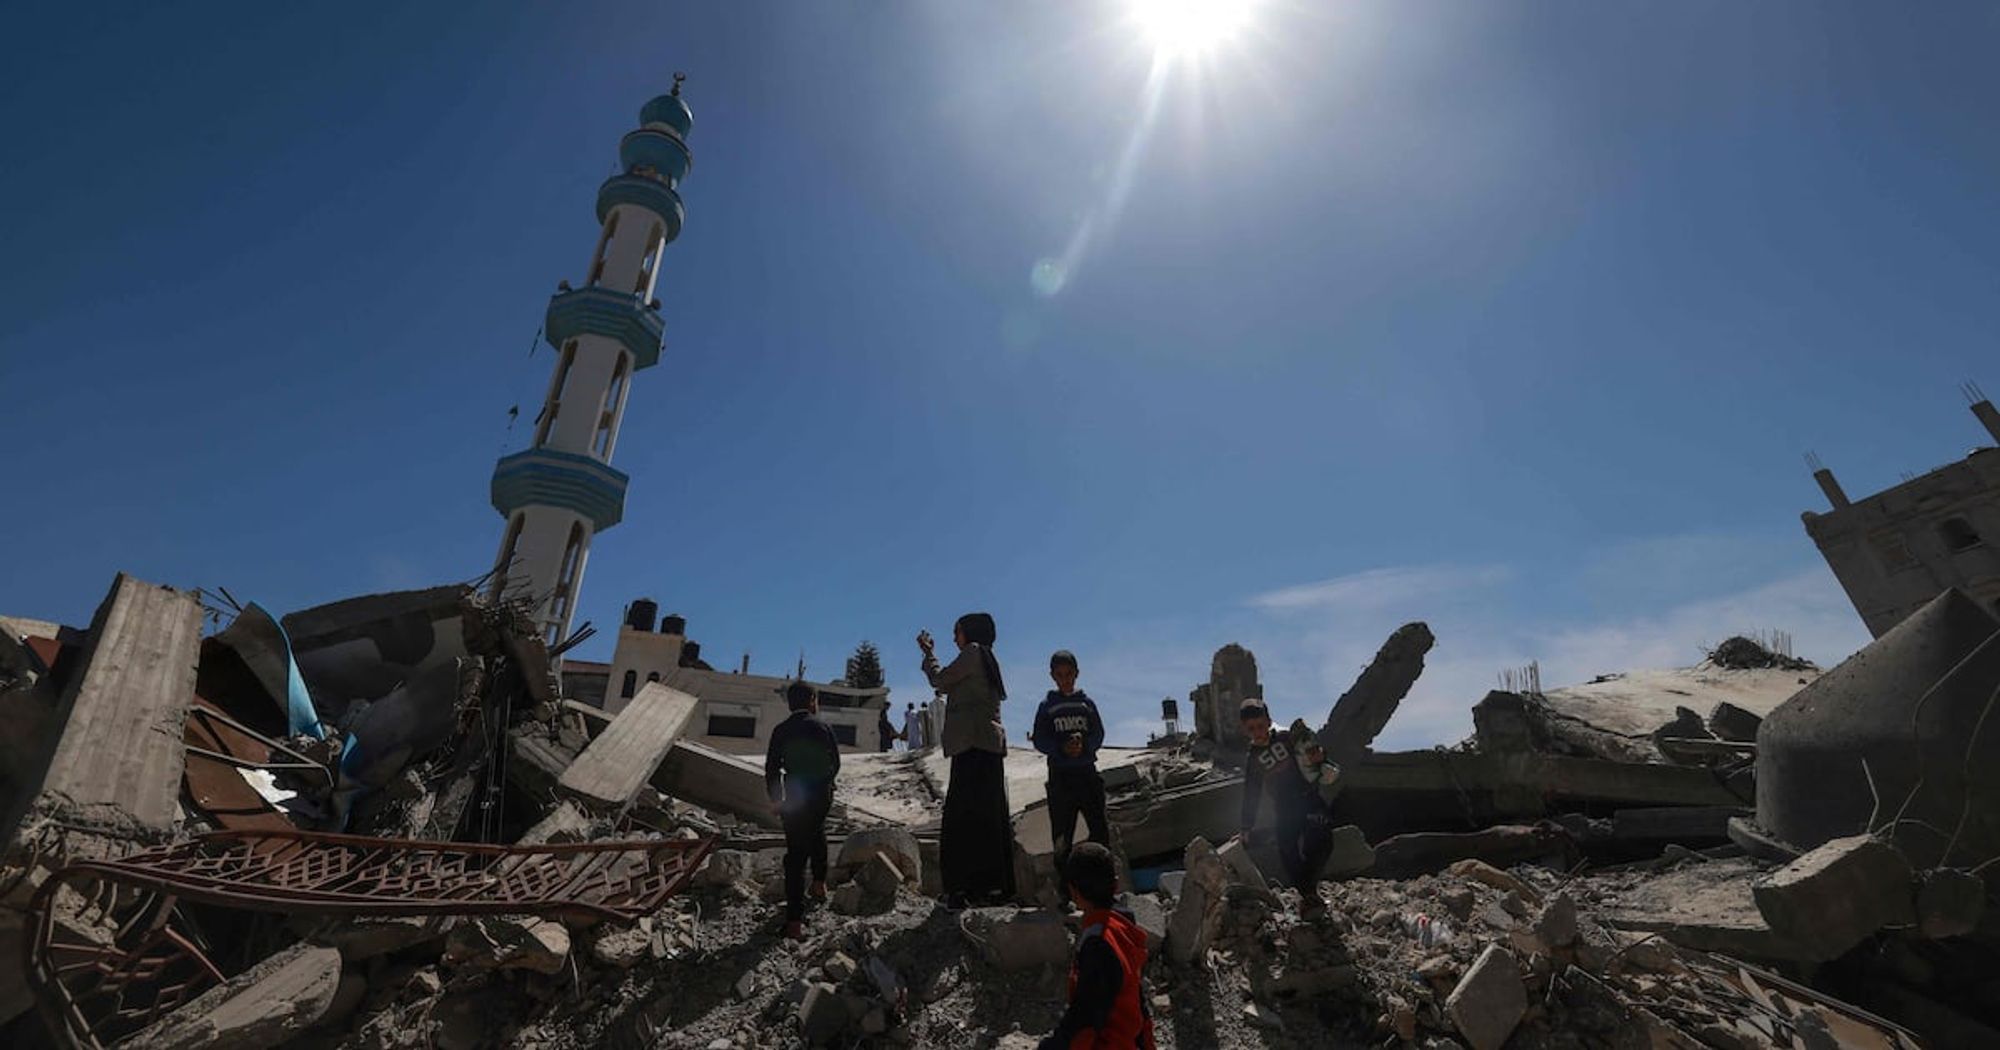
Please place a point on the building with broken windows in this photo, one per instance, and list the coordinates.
(738, 709)
(1896, 550)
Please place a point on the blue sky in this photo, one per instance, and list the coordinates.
(1512, 317)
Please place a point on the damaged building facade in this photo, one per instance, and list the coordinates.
(738, 709)
(1896, 550)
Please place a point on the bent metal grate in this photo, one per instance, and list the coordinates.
(107, 960)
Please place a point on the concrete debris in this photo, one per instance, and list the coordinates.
(264, 1006)
(508, 943)
(1489, 1000)
(1360, 714)
(1566, 877)
(1730, 722)
(1950, 903)
(1832, 898)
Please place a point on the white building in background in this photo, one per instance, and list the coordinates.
(562, 491)
(738, 709)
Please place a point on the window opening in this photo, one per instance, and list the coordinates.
(603, 243)
(732, 726)
(630, 686)
(1958, 534)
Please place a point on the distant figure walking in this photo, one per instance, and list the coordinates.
(976, 839)
(913, 728)
(799, 768)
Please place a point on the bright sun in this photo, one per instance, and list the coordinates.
(1178, 27)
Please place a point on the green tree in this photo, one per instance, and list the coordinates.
(864, 668)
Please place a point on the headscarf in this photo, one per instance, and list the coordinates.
(979, 631)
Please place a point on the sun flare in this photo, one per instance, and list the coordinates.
(1178, 27)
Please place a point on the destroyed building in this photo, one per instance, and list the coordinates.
(1748, 853)
(1896, 550)
(738, 709)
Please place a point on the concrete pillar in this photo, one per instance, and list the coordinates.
(1828, 485)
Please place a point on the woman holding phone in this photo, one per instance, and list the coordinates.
(976, 839)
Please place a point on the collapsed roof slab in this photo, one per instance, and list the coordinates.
(117, 761)
(610, 772)
(1362, 712)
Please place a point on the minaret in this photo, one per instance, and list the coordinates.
(563, 491)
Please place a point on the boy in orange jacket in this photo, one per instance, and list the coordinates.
(1107, 1006)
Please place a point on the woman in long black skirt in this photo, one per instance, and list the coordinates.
(976, 841)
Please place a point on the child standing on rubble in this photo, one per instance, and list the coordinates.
(1069, 731)
(1304, 833)
(799, 769)
(1107, 1004)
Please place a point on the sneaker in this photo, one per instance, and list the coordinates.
(795, 930)
(817, 891)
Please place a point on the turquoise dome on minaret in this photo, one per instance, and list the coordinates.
(669, 109)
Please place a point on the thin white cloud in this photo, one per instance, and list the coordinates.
(1383, 588)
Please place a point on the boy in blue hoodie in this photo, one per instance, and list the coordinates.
(1069, 730)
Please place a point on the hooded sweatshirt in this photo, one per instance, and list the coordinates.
(1060, 717)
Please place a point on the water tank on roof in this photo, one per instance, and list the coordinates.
(1170, 709)
(640, 614)
(672, 624)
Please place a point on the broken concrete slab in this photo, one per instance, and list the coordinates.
(1505, 722)
(1358, 717)
(1834, 897)
(261, 1007)
(1907, 706)
(1489, 1000)
(1730, 722)
(1021, 940)
(610, 772)
(365, 646)
(897, 843)
(1425, 852)
(1198, 902)
(508, 942)
(1950, 903)
(117, 759)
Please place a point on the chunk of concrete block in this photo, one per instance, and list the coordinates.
(508, 942)
(1023, 940)
(898, 843)
(1151, 916)
(1197, 910)
(116, 758)
(822, 1014)
(1361, 712)
(610, 772)
(1489, 1000)
(1831, 899)
(1243, 871)
(1729, 722)
(1351, 854)
(1950, 903)
(261, 1007)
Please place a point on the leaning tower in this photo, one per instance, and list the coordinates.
(562, 491)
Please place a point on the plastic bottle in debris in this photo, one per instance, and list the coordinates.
(1426, 931)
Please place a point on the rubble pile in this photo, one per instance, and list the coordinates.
(379, 824)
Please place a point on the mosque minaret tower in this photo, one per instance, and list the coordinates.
(561, 492)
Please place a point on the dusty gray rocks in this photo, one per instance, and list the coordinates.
(1019, 941)
(507, 942)
(1489, 1000)
(267, 1004)
(1832, 898)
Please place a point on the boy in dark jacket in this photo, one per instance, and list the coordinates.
(1069, 731)
(1304, 832)
(798, 772)
(1107, 1005)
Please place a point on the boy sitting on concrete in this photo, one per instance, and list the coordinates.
(799, 769)
(1107, 1005)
